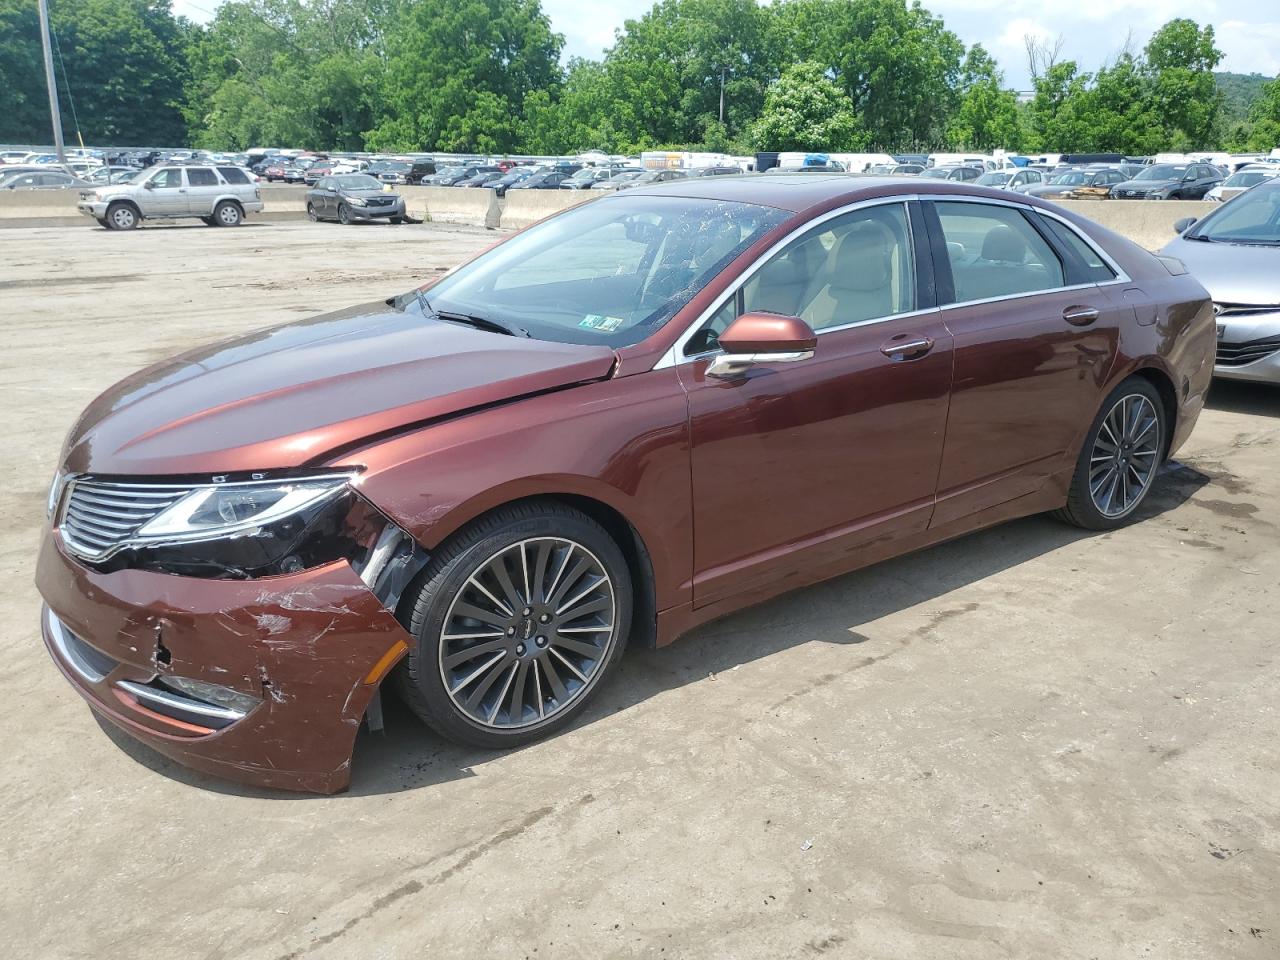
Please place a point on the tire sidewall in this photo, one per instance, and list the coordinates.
(442, 581)
(1093, 517)
(311, 213)
(344, 215)
(111, 217)
(223, 206)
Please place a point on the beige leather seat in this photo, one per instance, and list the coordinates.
(1002, 270)
(858, 283)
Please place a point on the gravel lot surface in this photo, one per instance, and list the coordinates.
(1030, 742)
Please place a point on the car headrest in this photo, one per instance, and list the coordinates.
(1004, 244)
(862, 258)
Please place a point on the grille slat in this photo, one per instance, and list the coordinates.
(1238, 354)
(98, 517)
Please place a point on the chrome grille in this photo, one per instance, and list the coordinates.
(1244, 309)
(99, 516)
(1238, 354)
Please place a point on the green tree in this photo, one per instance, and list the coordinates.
(455, 66)
(987, 117)
(896, 61)
(1180, 57)
(125, 70)
(666, 73)
(806, 110)
(1263, 130)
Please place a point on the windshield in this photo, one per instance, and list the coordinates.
(1246, 178)
(937, 173)
(357, 181)
(1163, 171)
(997, 179)
(1252, 217)
(1074, 178)
(610, 272)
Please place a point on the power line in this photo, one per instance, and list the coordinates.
(71, 101)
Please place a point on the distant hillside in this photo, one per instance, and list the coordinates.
(1239, 90)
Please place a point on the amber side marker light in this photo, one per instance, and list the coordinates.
(386, 661)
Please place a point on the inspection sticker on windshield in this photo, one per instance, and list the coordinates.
(593, 321)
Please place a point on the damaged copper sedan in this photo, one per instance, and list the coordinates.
(640, 414)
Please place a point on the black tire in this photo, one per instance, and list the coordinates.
(102, 222)
(122, 216)
(228, 214)
(208, 221)
(344, 214)
(311, 213)
(1082, 508)
(421, 675)
(397, 220)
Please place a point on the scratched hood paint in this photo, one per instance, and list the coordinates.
(285, 396)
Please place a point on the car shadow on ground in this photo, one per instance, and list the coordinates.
(407, 755)
(1238, 396)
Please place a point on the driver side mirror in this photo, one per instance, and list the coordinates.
(638, 230)
(1183, 225)
(150, 185)
(756, 338)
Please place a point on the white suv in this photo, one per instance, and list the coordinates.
(220, 196)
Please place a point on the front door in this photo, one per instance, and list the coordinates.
(1035, 339)
(797, 465)
(165, 194)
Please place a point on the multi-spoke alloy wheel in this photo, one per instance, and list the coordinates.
(1122, 453)
(517, 619)
(1126, 452)
(527, 632)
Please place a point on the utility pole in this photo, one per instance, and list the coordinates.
(721, 90)
(53, 85)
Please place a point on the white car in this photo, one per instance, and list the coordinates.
(1240, 181)
(1010, 178)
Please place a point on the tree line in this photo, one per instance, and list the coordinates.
(486, 76)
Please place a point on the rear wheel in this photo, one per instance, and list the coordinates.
(1121, 455)
(516, 622)
(122, 216)
(227, 214)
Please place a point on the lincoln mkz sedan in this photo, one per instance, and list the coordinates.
(637, 415)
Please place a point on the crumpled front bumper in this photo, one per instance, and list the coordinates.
(312, 647)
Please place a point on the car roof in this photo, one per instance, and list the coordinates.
(801, 192)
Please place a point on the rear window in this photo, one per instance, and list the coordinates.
(233, 175)
(201, 177)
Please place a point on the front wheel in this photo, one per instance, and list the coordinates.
(122, 216)
(517, 620)
(344, 214)
(311, 213)
(1121, 455)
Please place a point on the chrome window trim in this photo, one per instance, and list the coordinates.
(675, 355)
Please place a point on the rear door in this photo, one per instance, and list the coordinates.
(203, 190)
(798, 466)
(1036, 335)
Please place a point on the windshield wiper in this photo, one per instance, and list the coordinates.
(480, 323)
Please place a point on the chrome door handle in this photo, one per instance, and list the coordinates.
(907, 349)
(1080, 316)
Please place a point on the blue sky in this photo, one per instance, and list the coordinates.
(1248, 31)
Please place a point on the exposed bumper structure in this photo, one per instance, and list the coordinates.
(261, 681)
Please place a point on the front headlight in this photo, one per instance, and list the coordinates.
(216, 511)
(356, 201)
(244, 530)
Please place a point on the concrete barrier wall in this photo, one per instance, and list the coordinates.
(1148, 223)
(528, 206)
(474, 205)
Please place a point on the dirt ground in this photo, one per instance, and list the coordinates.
(1031, 742)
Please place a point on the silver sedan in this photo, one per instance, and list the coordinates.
(1235, 253)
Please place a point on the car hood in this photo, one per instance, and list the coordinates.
(1147, 185)
(371, 192)
(1231, 272)
(286, 396)
(113, 190)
